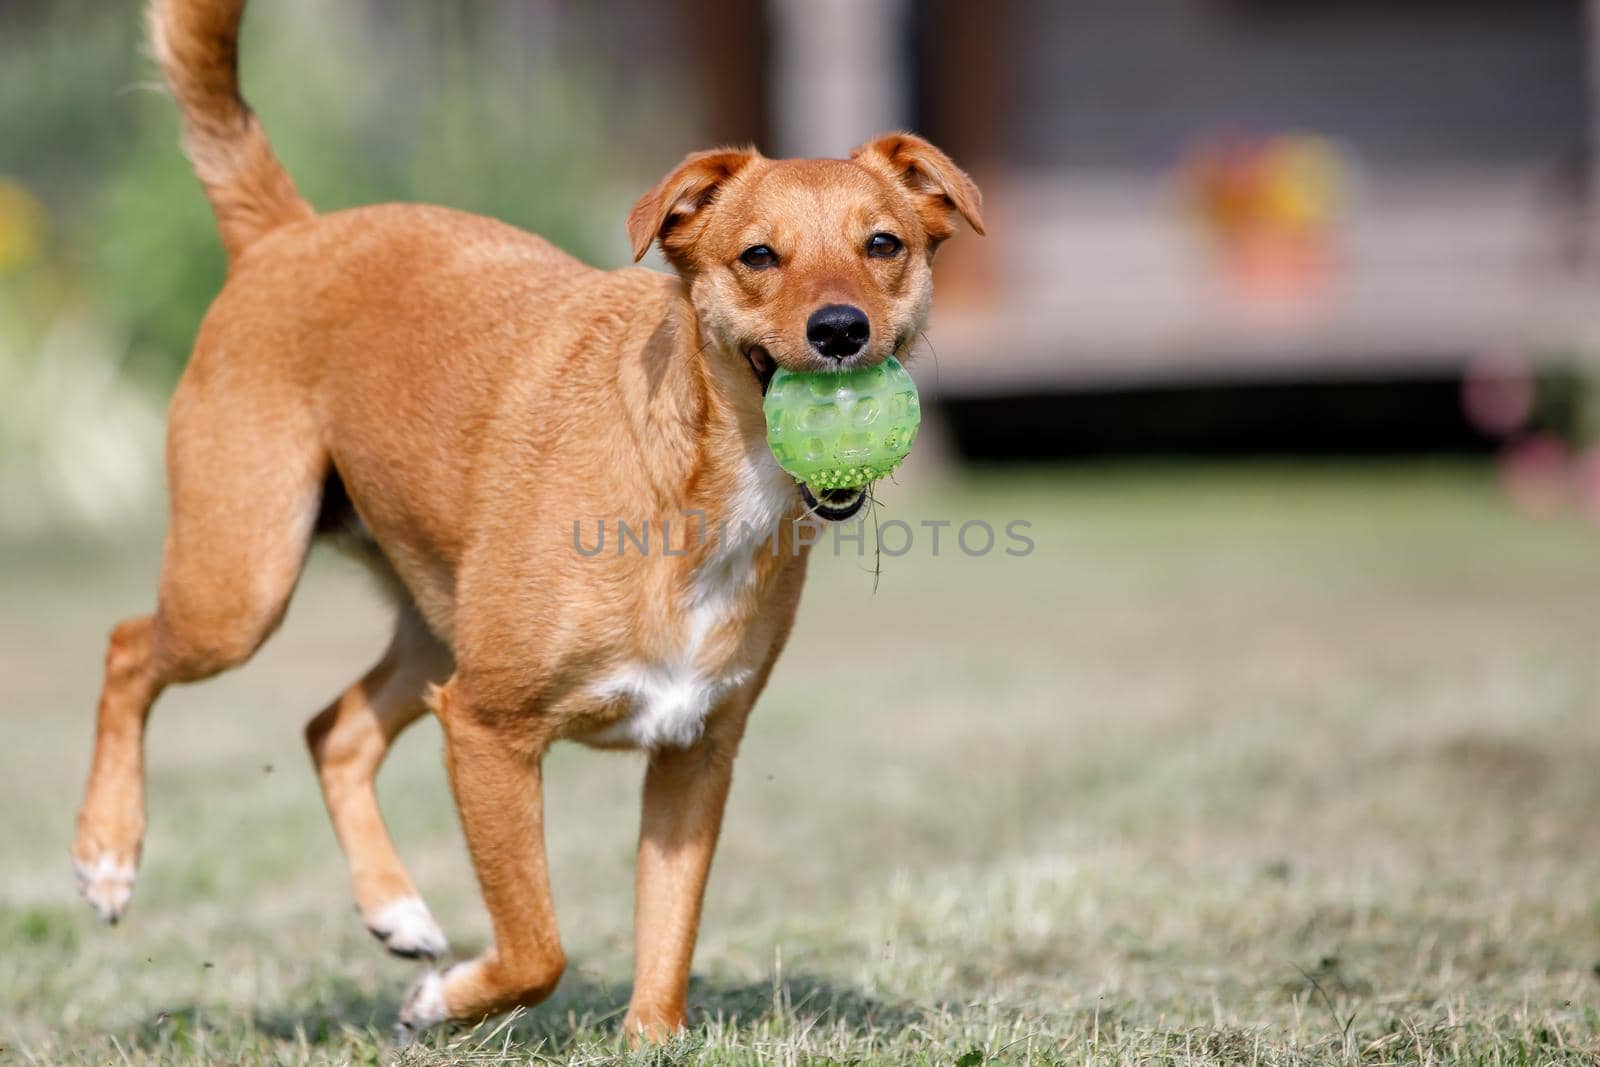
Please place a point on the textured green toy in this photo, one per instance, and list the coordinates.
(842, 430)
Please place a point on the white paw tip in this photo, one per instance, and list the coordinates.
(422, 1008)
(407, 928)
(107, 884)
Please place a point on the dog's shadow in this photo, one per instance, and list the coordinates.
(582, 1009)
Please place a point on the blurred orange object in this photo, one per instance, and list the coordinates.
(21, 226)
(1271, 205)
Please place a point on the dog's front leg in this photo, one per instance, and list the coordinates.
(494, 772)
(685, 791)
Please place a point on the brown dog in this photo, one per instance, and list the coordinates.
(452, 394)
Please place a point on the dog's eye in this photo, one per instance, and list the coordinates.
(758, 257)
(884, 246)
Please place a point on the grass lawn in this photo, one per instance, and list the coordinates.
(1241, 765)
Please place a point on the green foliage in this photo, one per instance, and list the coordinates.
(154, 261)
(469, 106)
(108, 252)
(66, 69)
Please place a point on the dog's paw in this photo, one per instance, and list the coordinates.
(406, 928)
(422, 1009)
(106, 882)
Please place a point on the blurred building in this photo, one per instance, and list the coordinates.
(1142, 236)
(1256, 218)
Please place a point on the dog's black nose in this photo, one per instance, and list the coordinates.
(838, 330)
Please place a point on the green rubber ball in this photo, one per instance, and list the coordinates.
(840, 430)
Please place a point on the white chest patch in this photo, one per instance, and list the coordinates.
(669, 699)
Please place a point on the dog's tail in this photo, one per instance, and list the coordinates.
(197, 45)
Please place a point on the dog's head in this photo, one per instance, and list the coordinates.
(808, 264)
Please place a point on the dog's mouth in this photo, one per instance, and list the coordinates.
(762, 364)
(835, 505)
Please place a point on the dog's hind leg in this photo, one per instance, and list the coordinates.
(348, 741)
(111, 821)
(245, 473)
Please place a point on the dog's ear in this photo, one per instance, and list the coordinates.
(668, 211)
(937, 183)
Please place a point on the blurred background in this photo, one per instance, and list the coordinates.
(1280, 745)
(1217, 226)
